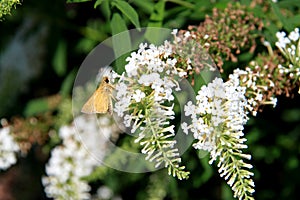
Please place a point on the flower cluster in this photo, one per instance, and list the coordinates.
(218, 119)
(30, 131)
(73, 160)
(144, 99)
(271, 75)
(6, 6)
(259, 86)
(289, 46)
(191, 55)
(8, 149)
(226, 33)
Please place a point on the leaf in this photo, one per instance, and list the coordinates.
(285, 22)
(207, 170)
(36, 106)
(76, 1)
(98, 3)
(128, 11)
(295, 20)
(105, 9)
(157, 14)
(145, 6)
(154, 36)
(183, 3)
(289, 4)
(121, 41)
(60, 59)
(67, 84)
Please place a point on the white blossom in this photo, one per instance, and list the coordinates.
(294, 35)
(144, 98)
(73, 159)
(220, 105)
(218, 120)
(8, 149)
(283, 41)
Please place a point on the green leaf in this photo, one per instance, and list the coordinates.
(67, 84)
(295, 20)
(60, 59)
(105, 9)
(285, 22)
(145, 6)
(289, 4)
(157, 14)
(207, 170)
(98, 174)
(76, 1)
(36, 106)
(128, 11)
(182, 15)
(156, 20)
(118, 25)
(183, 3)
(98, 3)
(121, 41)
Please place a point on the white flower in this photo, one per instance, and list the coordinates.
(190, 109)
(75, 158)
(174, 31)
(289, 47)
(280, 35)
(294, 35)
(147, 79)
(273, 101)
(68, 163)
(221, 105)
(8, 149)
(283, 41)
(206, 37)
(187, 34)
(150, 78)
(121, 106)
(121, 88)
(185, 127)
(138, 95)
(219, 130)
(104, 192)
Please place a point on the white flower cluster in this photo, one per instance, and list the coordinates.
(218, 120)
(143, 98)
(8, 149)
(284, 41)
(220, 108)
(252, 80)
(73, 160)
(149, 72)
(290, 48)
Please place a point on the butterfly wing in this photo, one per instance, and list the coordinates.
(89, 106)
(99, 102)
(102, 102)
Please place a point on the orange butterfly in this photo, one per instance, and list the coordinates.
(100, 101)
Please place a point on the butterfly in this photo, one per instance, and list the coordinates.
(101, 100)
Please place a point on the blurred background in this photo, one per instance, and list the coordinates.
(42, 45)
